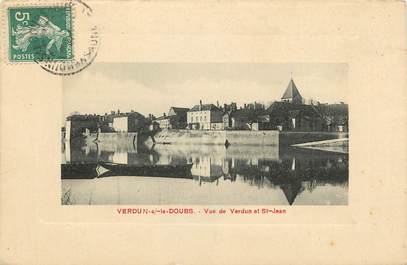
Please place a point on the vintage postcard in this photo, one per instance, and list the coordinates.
(216, 145)
(244, 130)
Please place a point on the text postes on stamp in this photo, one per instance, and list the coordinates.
(36, 33)
(60, 36)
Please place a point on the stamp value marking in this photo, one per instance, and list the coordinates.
(36, 33)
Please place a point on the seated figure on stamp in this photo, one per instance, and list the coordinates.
(45, 28)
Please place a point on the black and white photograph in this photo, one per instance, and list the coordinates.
(206, 134)
(203, 132)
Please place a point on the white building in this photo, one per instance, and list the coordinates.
(120, 124)
(129, 122)
(204, 117)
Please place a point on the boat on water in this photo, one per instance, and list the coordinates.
(174, 171)
(79, 171)
(108, 169)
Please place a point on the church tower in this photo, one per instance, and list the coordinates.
(292, 94)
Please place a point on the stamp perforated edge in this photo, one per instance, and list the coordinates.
(5, 29)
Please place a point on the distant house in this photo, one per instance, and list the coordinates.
(295, 117)
(176, 119)
(153, 126)
(262, 122)
(240, 119)
(108, 119)
(76, 125)
(290, 114)
(335, 116)
(151, 123)
(205, 117)
(129, 122)
(163, 122)
(177, 111)
(292, 94)
(107, 122)
(245, 118)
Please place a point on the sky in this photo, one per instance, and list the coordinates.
(155, 87)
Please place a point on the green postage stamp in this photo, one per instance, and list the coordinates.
(40, 33)
(61, 36)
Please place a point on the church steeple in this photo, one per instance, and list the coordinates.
(292, 94)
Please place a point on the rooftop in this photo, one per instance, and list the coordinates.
(205, 107)
(282, 108)
(128, 114)
(179, 110)
(291, 91)
(165, 117)
(79, 117)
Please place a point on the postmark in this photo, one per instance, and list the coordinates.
(62, 38)
(39, 32)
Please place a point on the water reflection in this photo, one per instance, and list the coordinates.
(234, 175)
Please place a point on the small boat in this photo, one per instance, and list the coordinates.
(108, 169)
(79, 171)
(170, 171)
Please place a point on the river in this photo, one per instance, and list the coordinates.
(237, 175)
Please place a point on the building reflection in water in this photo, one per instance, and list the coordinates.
(291, 170)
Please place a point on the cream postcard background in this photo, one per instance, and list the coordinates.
(369, 36)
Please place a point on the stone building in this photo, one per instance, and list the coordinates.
(240, 119)
(175, 119)
(204, 117)
(129, 122)
(287, 116)
(164, 122)
(335, 116)
(76, 125)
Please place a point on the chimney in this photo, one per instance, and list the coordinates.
(200, 104)
(217, 103)
(255, 105)
(245, 106)
(224, 107)
(164, 114)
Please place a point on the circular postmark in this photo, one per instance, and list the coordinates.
(81, 43)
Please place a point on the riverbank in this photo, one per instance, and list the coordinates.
(120, 138)
(255, 138)
(201, 137)
(221, 138)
